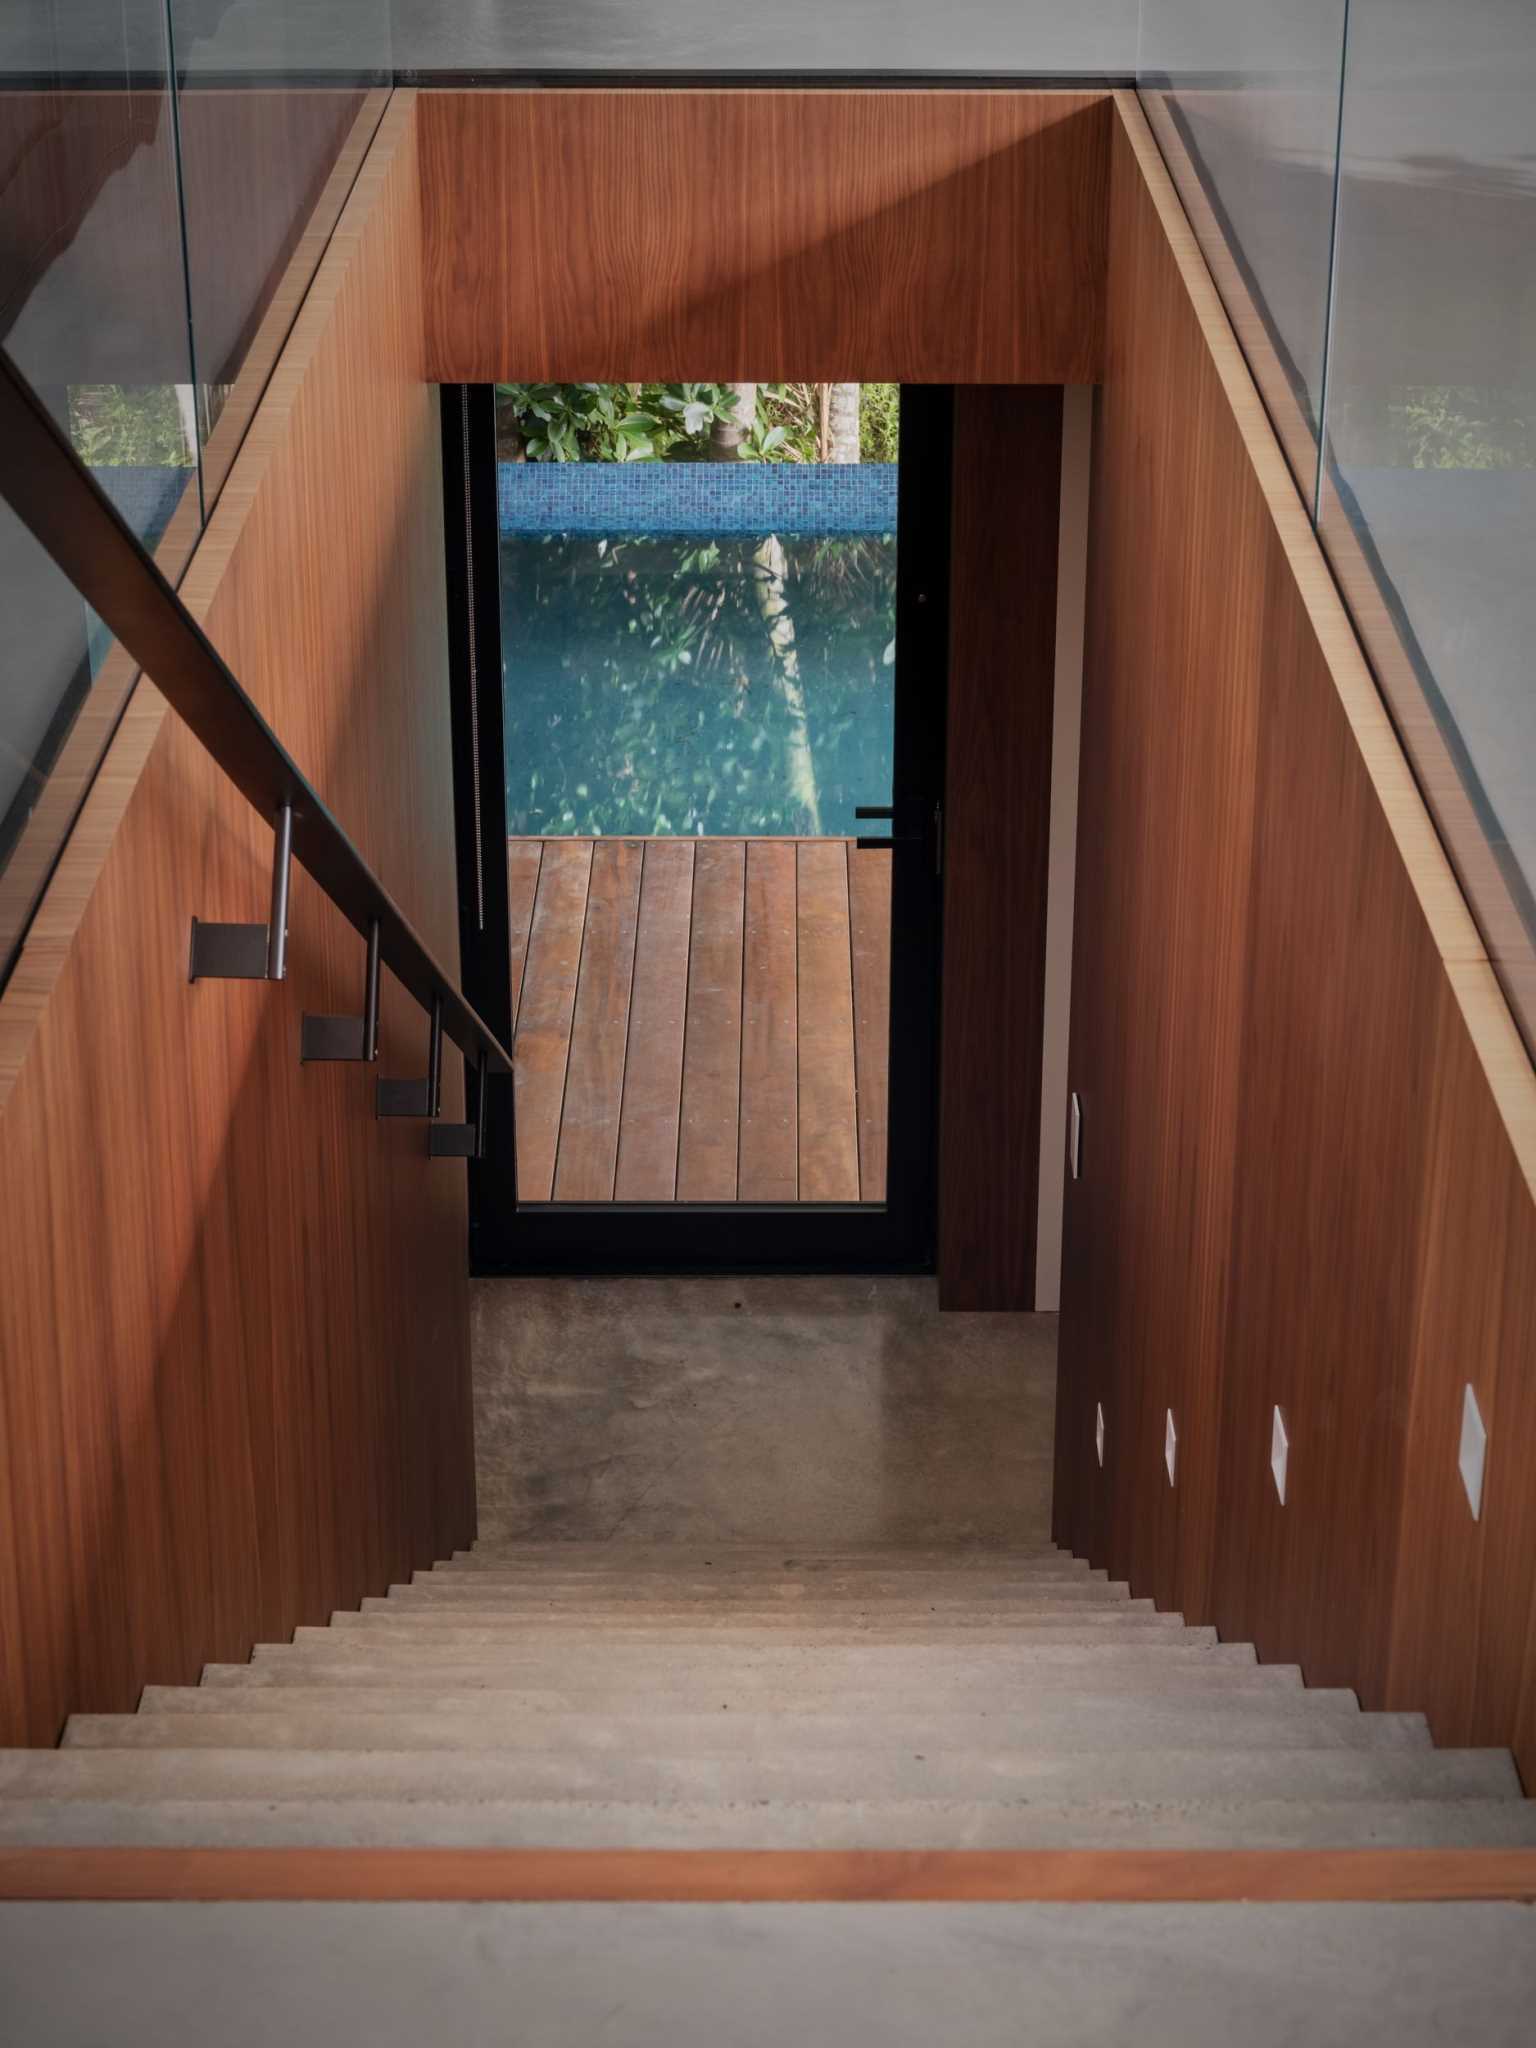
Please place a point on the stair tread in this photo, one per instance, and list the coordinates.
(311, 1819)
(1021, 1706)
(939, 1687)
(1183, 1774)
(1073, 1727)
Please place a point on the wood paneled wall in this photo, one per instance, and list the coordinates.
(1310, 1126)
(1002, 656)
(233, 1306)
(931, 237)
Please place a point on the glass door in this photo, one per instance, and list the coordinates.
(699, 721)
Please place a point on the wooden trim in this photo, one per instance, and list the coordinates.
(53, 929)
(1482, 1003)
(1270, 372)
(703, 1876)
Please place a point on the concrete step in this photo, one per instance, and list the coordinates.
(664, 1555)
(896, 1824)
(1163, 1776)
(710, 1665)
(935, 1690)
(1137, 1709)
(783, 1572)
(772, 1601)
(1071, 1727)
(901, 1975)
(484, 1628)
(790, 1667)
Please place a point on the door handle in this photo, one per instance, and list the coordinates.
(899, 838)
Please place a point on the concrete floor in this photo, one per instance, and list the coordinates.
(812, 1412)
(868, 1976)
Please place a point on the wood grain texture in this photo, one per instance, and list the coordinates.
(233, 1314)
(707, 1138)
(653, 1074)
(1310, 1124)
(769, 1164)
(663, 1045)
(1006, 517)
(594, 1082)
(524, 858)
(542, 1046)
(869, 909)
(828, 1138)
(782, 234)
(699, 1875)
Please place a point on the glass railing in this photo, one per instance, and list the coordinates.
(1363, 179)
(170, 172)
(92, 555)
(498, 41)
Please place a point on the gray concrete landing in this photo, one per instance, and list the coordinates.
(858, 1976)
(814, 1412)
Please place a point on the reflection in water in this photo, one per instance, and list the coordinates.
(697, 684)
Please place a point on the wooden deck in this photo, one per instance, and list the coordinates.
(700, 1020)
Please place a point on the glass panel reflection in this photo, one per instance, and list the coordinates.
(276, 105)
(1244, 95)
(1430, 483)
(92, 296)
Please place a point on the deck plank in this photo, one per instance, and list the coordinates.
(542, 1045)
(523, 861)
(869, 899)
(594, 1082)
(653, 1075)
(829, 1149)
(769, 1163)
(707, 1143)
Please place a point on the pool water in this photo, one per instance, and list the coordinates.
(697, 683)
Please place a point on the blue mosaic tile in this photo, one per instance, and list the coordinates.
(697, 497)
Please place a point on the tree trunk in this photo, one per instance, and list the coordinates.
(726, 436)
(843, 423)
(768, 573)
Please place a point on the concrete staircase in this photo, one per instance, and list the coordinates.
(593, 1696)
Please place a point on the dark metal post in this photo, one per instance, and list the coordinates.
(483, 1089)
(277, 924)
(371, 996)
(435, 1060)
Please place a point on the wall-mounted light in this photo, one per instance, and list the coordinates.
(1171, 1447)
(1473, 1454)
(1279, 1453)
(1098, 1430)
(1075, 1135)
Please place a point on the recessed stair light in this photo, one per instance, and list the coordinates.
(1473, 1454)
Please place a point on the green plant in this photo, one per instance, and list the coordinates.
(119, 424)
(608, 422)
(879, 422)
(672, 422)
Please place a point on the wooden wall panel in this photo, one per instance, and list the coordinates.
(233, 1306)
(939, 237)
(1006, 517)
(1310, 1141)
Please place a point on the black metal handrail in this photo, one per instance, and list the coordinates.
(55, 496)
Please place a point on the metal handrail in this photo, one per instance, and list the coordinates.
(55, 496)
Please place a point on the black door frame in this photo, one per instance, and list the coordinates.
(690, 1237)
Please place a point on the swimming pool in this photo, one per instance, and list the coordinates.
(705, 682)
